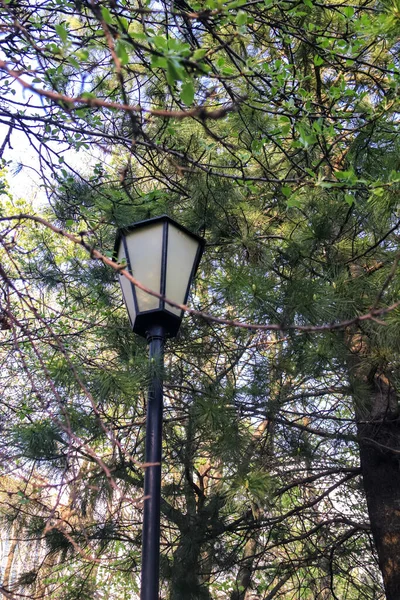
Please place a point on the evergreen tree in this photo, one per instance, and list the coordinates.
(271, 129)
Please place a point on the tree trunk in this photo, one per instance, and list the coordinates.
(377, 416)
(380, 454)
(246, 570)
(185, 582)
(244, 576)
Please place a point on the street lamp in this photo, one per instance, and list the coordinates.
(163, 256)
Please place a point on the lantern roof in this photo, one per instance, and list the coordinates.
(162, 218)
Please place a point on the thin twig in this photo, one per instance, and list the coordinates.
(199, 111)
(371, 315)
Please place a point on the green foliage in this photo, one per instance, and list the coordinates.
(39, 440)
(271, 128)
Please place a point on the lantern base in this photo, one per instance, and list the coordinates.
(146, 321)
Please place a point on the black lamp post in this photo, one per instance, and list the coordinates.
(163, 256)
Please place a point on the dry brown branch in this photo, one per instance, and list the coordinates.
(199, 111)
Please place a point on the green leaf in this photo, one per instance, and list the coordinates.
(174, 71)
(124, 23)
(235, 4)
(53, 48)
(22, 498)
(62, 32)
(72, 61)
(199, 53)
(82, 54)
(348, 11)
(318, 61)
(349, 176)
(325, 184)
(107, 16)
(257, 145)
(293, 202)
(159, 61)
(187, 93)
(241, 18)
(349, 199)
(139, 35)
(121, 52)
(160, 42)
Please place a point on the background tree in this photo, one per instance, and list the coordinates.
(271, 129)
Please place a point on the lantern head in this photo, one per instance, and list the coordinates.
(163, 256)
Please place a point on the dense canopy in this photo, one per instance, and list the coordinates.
(270, 128)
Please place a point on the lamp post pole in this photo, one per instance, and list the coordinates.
(164, 257)
(152, 477)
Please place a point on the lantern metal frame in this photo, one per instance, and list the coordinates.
(161, 316)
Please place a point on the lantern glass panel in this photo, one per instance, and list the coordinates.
(182, 251)
(126, 287)
(145, 257)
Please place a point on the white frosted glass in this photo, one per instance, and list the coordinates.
(126, 287)
(145, 255)
(182, 251)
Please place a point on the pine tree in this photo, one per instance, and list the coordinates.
(271, 129)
